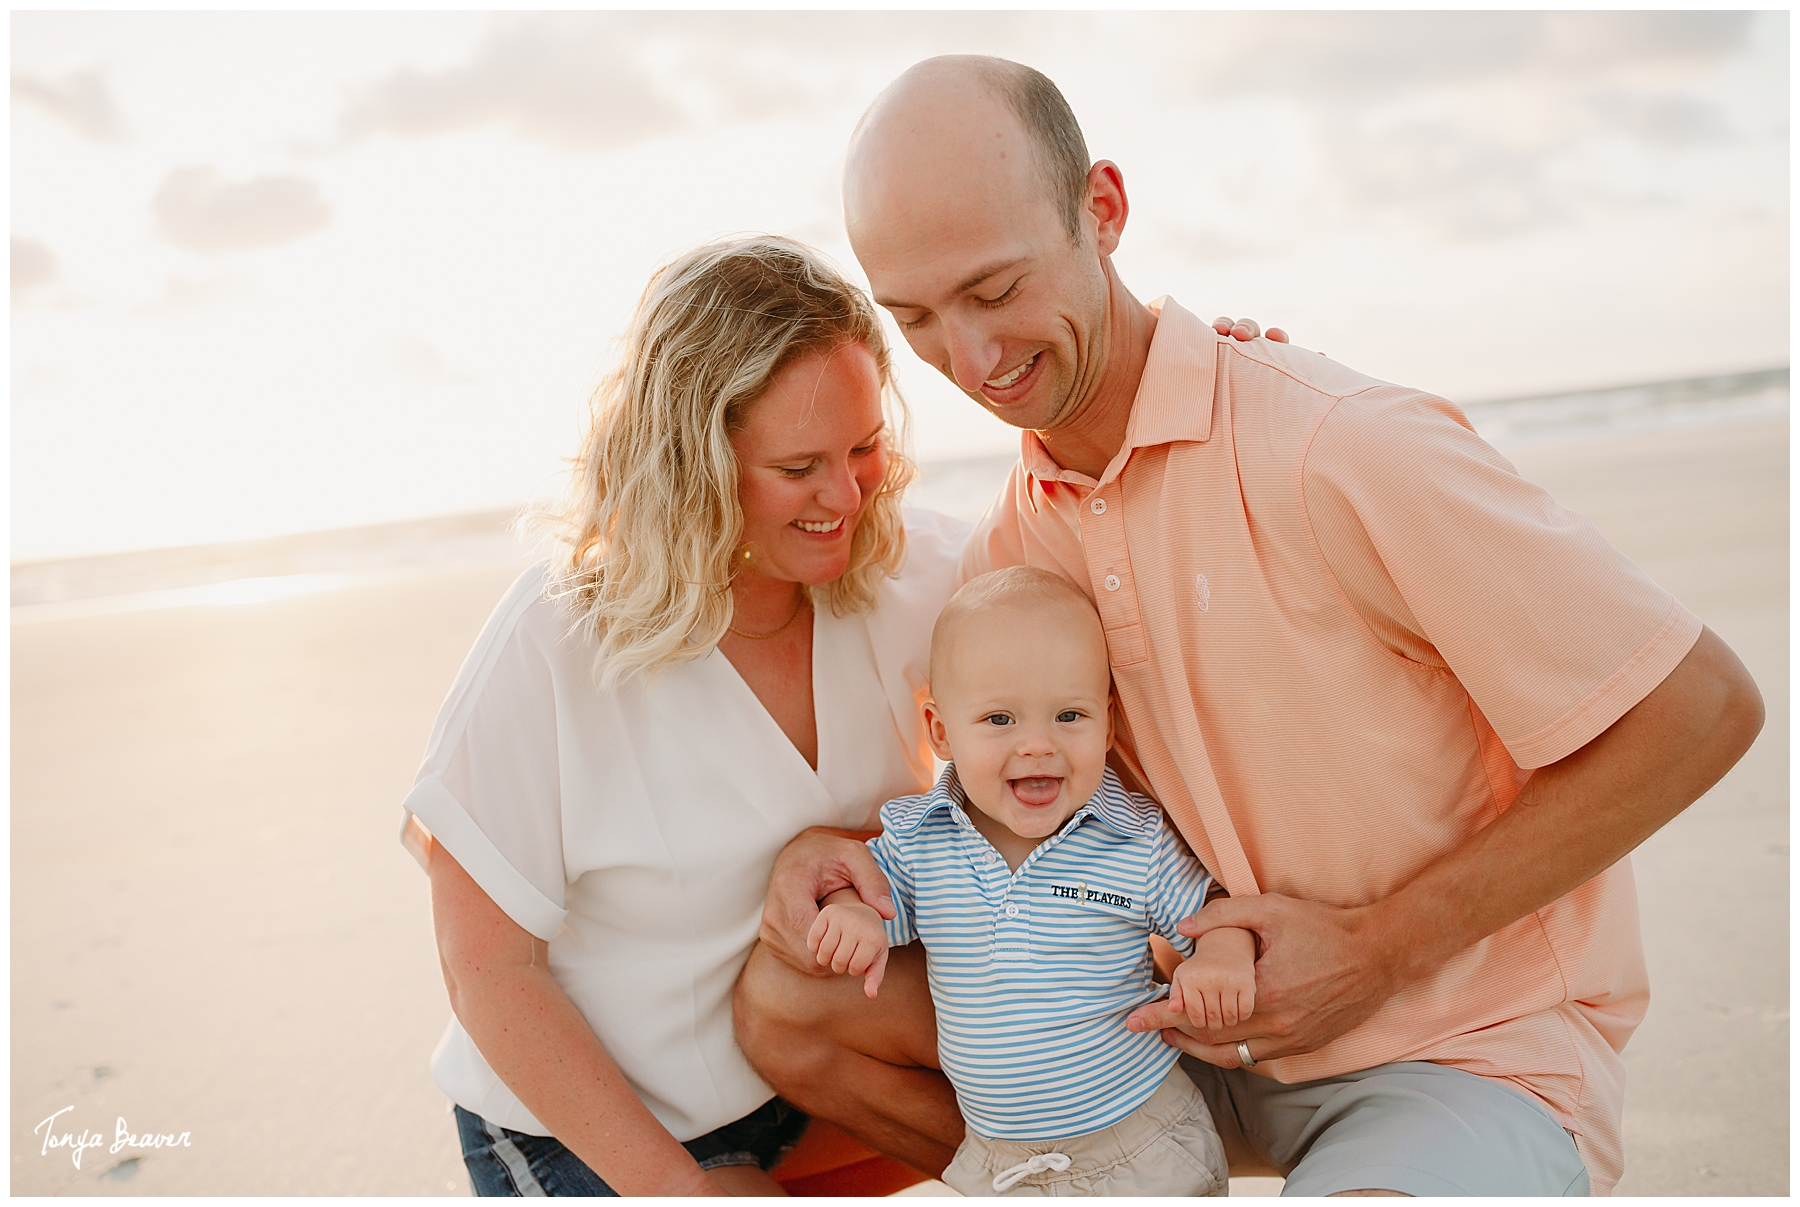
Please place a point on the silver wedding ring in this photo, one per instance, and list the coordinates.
(1244, 1054)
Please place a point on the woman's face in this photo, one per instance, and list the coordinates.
(811, 454)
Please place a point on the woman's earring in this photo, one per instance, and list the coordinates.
(744, 554)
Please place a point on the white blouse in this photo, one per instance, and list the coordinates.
(635, 829)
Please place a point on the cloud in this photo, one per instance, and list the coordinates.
(80, 100)
(1666, 119)
(198, 209)
(33, 264)
(1453, 181)
(1348, 55)
(569, 80)
(594, 81)
(1476, 125)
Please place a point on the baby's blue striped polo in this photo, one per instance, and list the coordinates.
(1033, 972)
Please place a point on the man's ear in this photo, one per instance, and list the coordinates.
(936, 732)
(1107, 202)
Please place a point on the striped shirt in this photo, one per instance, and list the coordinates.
(1033, 972)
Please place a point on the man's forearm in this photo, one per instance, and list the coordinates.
(1577, 817)
(1325, 969)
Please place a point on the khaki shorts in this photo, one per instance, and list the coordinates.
(1165, 1147)
(1411, 1126)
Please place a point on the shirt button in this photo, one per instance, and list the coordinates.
(988, 858)
(1112, 582)
(1012, 911)
(1099, 506)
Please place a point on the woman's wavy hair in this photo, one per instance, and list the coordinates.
(645, 539)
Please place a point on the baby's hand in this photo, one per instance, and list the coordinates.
(1216, 986)
(848, 937)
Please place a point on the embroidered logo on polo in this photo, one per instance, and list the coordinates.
(1203, 590)
(1081, 892)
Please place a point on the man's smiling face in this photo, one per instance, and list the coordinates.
(963, 244)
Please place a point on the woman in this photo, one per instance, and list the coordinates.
(728, 648)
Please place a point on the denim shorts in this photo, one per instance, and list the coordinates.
(504, 1162)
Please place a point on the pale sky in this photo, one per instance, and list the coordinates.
(279, 272)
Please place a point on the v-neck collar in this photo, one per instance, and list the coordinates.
(764, 726)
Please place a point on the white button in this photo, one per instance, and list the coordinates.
(1099, 506)
(988, 858)
(1112, 582)
(1012, 911)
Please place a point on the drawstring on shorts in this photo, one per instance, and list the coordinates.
(1006, 1179)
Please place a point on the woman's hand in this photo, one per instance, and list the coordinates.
(816, 864)
(1244, 330)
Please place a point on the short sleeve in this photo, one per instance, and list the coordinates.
(1178, 886)
(489, 788)
(1454, 560)
(901, 928)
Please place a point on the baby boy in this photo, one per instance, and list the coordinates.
(1033, 878)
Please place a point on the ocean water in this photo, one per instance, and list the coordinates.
(253, 571)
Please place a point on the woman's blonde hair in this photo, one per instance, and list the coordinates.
(645, 540)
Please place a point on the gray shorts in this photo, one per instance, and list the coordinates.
(1412, 1126)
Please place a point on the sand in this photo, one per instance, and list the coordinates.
(216, 933)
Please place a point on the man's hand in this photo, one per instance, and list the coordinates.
(810, 868)
(1216, 986)
(847, 938)
(1324, 969)
(1319, 976)
(1244, 330)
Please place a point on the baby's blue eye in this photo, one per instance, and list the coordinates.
(1068, 714)
(998, 718)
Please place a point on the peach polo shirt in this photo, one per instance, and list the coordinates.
(1343, 630)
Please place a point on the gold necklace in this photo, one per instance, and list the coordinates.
(780, 629)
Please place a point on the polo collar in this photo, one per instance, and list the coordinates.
(1112, 805)
(1174, 400)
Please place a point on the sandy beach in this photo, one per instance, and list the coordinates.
(215, 932)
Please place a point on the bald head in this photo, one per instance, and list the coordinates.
(995, 597)
(960, 118)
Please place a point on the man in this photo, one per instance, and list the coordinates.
(1410, 712)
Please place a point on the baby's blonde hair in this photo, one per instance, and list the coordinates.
(645, 540)
(1014, 586)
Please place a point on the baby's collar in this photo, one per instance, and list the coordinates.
(1112, 805)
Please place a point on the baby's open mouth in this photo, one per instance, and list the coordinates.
(1036, 789)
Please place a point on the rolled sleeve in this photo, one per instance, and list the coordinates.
(1454, 560)
(452, 827)
(489, 788)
